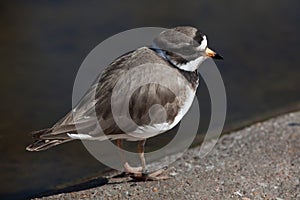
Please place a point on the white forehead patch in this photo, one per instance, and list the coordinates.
(203, 44)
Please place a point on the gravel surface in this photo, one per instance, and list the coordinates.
(261, 161)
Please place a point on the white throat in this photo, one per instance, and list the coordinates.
(190, 65)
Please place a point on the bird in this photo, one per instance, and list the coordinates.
(179, 51)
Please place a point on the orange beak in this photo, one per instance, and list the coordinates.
(212, 54)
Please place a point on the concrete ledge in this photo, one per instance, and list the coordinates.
(261, 161)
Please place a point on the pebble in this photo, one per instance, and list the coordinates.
(245, 198)
(188, 165)
(211, 167)
(238, 193)
(173, 174)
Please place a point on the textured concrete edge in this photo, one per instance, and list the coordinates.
(281, 128)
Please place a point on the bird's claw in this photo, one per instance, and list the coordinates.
(153, 176)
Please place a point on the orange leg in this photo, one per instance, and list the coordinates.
(127, 167)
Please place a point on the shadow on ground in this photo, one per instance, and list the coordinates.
(93, 183)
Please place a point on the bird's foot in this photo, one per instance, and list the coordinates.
(132, 170)
(138, 174)
(153, 176)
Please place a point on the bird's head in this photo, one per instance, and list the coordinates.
(185, 47)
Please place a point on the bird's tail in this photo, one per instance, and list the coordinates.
(46, 138)
(59, 134)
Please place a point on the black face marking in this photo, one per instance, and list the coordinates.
(198, 37)
(178, 59)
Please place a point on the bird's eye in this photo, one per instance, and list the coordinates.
(201, 40)
(199, 37)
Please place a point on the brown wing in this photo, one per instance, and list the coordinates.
(83, 118)
(144, 97)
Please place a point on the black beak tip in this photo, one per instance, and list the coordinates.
(218, 57)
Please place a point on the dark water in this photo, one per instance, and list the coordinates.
(44, 42)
